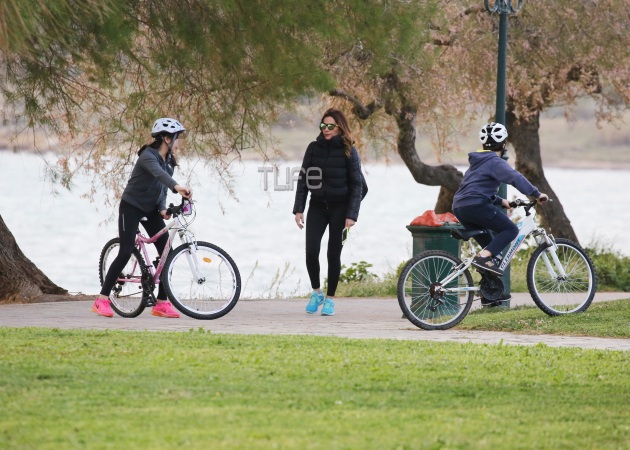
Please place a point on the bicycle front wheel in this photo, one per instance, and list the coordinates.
(420, 294)
(559, 293)
(202, 280)
(127, 292)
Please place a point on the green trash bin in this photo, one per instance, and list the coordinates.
(434, 238)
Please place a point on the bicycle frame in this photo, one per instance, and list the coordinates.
(173, 227)
(526, 227)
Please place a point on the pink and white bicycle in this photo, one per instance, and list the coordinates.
(201, 280)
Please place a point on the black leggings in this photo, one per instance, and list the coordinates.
(320, 215)
(128, 220)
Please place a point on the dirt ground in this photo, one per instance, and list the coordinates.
(48, 298)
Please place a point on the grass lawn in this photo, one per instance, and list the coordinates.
(604, 319)
(115, 389)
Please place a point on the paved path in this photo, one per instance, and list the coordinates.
(354, 318)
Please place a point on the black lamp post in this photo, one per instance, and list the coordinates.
(504, 8)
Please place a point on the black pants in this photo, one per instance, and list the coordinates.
(485, 216)
(321, 215)
(128, 220)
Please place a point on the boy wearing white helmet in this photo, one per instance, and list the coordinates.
(475, 202)
(145, 196)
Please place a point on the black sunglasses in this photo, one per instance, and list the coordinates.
(330, 126)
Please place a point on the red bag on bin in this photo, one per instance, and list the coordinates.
(430, 219)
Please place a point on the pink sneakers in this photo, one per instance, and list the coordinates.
(164, 309)
(161, 309)
(103, 308)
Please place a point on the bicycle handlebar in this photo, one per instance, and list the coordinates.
(175, 211)
(526, 204)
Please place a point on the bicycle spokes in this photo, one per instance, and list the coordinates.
(202, 280)
(434, 290)
(561, 280)
(127, 293)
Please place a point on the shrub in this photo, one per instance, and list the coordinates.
(356, 272)
(358, 281)
(613, 268)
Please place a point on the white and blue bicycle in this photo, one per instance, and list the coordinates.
(436, 289)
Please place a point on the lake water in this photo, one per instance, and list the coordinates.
(63, 234)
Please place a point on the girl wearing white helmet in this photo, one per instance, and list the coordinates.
(474, 203)
(145, 196)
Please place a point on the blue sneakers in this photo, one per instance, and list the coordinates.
(316, 300)
(329, 307)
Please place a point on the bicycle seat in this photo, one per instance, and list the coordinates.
(464, 235)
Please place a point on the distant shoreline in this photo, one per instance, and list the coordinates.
(395, 161)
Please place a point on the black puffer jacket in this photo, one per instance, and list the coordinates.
(340, 176)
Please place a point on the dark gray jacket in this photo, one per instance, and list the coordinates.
(149, 181)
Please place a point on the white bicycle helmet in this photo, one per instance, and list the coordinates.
(492, 134)
(166, 125)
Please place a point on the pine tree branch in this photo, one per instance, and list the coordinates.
(359, 109)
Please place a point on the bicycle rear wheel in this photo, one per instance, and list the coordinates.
(127, 298)
(556, 294)
(202, 280)
(419, 295)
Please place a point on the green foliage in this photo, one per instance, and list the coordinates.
(356, 272)
(613, 268)
(30, 25)
(376, 287)
(97, 389)
(99, 74)
(367, 284)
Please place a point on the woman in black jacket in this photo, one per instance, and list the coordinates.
(145, 196)
(331, 172)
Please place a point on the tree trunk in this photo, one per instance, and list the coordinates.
(20, 279)
(446, 176)
(523, 134)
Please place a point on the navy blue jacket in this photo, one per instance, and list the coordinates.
(340, 176)
(484, 176)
